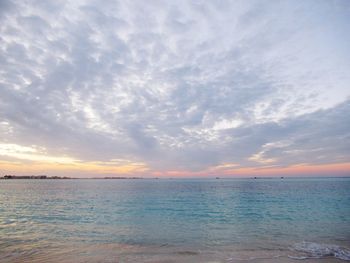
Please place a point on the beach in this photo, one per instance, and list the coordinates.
(156, 254)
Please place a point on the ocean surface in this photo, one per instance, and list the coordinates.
(175, 220)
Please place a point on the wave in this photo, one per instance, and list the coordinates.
(315, 250)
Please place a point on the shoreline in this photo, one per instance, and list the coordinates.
(112, 252)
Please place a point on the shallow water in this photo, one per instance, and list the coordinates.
(174, 220)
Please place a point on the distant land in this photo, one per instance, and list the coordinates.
(33, 177)
(38, 177)
(45, 177)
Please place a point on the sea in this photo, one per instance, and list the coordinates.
(175, 220)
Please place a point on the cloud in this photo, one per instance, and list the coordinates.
(184, 86)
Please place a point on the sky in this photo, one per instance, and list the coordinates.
(175, 88)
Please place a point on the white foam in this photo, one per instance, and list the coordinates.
(316, 250)
(298, 258)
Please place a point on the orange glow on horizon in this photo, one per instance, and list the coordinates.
(294, 170)
(300, 169)
(89, 169)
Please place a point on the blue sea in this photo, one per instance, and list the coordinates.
(175, 220)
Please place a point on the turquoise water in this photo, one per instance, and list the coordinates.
(293, 217)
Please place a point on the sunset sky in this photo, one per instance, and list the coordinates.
(175, 88)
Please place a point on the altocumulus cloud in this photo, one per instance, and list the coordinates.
(183, 85)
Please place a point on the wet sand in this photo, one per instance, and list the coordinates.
(151, 254)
